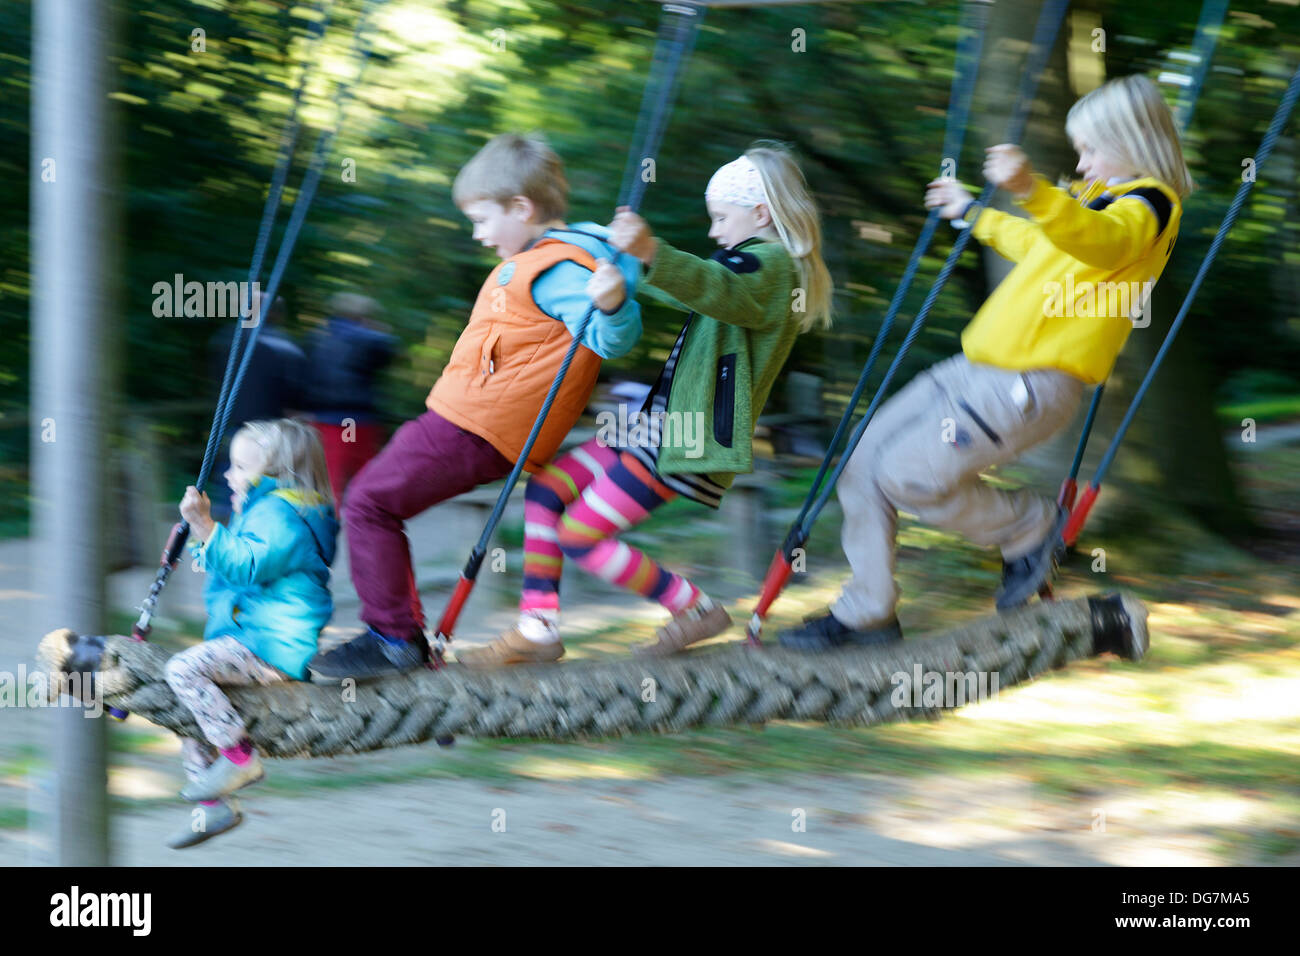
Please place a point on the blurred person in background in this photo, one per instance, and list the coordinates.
(272, 387)
(344, 358)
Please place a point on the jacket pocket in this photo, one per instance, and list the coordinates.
(489, 357)
(724, 400)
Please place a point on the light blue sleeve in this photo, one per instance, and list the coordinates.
(262, 551)
(561, 292)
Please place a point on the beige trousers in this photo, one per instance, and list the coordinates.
(923, 453)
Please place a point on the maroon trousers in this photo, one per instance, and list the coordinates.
(427, 461)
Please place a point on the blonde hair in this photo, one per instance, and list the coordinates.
(797, 222)
(1128, 119)
(291, 454)
(512, 165)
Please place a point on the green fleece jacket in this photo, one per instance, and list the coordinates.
(734, 348)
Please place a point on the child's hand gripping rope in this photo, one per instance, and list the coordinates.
(631, 234)
(1006, 166)
(606, 287)
(197, 510)
(948, 196)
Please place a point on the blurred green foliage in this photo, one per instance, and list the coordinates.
(864, 107)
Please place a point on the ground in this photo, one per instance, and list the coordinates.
(1185, 759)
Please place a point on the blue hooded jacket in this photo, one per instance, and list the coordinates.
(268, 575)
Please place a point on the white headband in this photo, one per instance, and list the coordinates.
(738, 183)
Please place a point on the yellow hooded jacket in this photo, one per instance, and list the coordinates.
(1086, 264)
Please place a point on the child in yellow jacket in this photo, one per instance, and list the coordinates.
(1086, 261)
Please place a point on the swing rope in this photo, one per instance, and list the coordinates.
(779, 570)
(284, 159)
(1207, 36)
(297, 216)
(231, 383)
(672, 49)
(1080, 514)
(966, 69)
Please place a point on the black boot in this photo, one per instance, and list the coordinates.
(370, 654)
(827, 633)
(1032, 574)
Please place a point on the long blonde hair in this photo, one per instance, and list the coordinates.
(797, 222)
(291, 454)
(1129, 119)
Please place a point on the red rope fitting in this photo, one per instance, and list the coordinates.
(1080, 514)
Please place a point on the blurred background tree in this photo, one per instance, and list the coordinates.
(860, 90)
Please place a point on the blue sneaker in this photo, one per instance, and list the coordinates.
(828, 633)
(370, 654)
(1032, 574)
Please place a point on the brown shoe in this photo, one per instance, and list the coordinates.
(510, 648)
(686, 628)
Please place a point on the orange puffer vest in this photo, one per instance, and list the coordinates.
(505, 360)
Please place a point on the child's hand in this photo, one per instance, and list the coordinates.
(631, 234)
(949, 196)
(1008, 167)
(606, 287)
(197, 510)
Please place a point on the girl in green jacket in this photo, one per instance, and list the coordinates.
(748, 302)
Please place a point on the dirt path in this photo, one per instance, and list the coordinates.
(867, 820)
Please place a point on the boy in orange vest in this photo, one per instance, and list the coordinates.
(482, 407)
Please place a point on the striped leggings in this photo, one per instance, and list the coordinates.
(575, 507)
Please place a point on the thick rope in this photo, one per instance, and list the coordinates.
(711, 687)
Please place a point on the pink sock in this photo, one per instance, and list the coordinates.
(241, 753)
(210, 803)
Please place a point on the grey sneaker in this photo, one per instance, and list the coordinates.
(222, 777)
(205, 823)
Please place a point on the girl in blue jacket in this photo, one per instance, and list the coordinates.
(267, 599)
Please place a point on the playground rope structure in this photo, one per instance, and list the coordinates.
(727, 685)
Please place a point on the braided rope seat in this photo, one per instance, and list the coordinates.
(713, 686)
